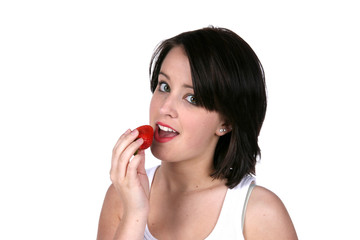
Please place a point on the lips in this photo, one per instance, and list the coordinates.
(164, 133)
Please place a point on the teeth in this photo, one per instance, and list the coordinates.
(166, 129)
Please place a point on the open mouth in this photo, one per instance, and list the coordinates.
(164, 133)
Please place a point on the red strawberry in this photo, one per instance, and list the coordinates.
(146, 132)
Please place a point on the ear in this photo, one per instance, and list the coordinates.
(223, 129)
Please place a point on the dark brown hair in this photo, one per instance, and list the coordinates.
(227, 78)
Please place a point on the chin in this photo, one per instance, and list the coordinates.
(161, 154)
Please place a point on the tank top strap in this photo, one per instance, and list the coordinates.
(150, 173)
(229, 224)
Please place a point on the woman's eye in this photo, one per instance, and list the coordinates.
(164, 87)
(191, 99)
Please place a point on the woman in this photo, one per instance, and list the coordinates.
(207, 109)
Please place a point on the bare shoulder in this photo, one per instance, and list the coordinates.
(266, 217)
(110, 215)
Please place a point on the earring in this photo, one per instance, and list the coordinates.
(222, 130)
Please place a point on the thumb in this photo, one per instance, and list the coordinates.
(137, 165)
(141, 166)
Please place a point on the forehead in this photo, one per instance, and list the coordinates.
(176, 65)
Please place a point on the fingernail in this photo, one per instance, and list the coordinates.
(134, 132)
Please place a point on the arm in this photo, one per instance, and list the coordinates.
(267, 217)
(110, 215)
(112, 224)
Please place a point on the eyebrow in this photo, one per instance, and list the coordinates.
(187, 86)
(165, 75)
(184, 85)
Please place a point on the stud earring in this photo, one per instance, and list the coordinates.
(222, 130)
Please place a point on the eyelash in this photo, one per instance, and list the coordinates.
(189, 98)
(161, 85)
(193, 101)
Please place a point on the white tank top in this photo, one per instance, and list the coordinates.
(231, 220)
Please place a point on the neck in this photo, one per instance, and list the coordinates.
(187, 176)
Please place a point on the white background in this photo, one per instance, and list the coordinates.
(74, 76)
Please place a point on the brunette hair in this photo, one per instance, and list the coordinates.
(227, 78)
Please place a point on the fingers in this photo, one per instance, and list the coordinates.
(128, 153)
(123, 151)
(124, 140)
(136, 169)
(141, 167)
(136, 165)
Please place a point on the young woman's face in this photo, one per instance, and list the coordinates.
(183, 130)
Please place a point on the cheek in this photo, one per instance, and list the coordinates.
(153, 109)
(201, 133)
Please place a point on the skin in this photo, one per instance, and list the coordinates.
(182, 185)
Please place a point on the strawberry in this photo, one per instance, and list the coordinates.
(146, 132)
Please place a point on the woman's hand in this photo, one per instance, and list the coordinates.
(126, 204)
(128, 175)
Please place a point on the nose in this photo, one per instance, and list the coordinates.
(169, 106)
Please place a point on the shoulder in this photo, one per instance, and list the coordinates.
(267, 217)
